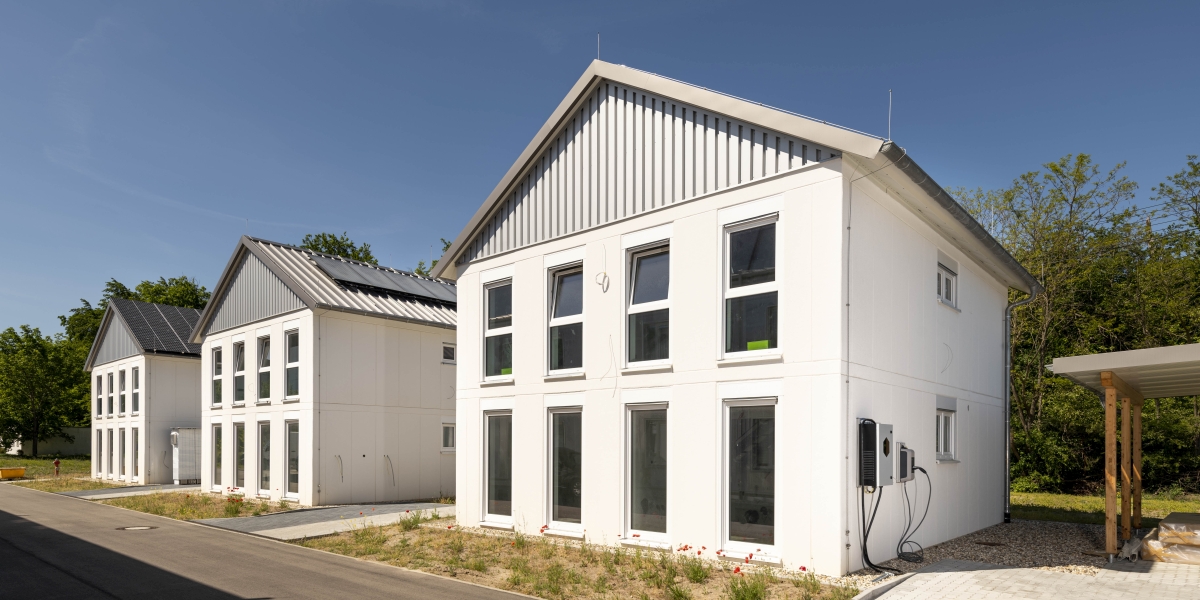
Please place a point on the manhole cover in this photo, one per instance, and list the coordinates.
(136, 528)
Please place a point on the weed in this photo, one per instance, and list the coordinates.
(456, 545)
(695, 569)
(520, 541)
(410, 522)
(675, 592)
(548, 550)
(233, 506)
(600, 585)
(753, 587)
(284, 505)
(843, 593)
(476, 564)
(807, 582)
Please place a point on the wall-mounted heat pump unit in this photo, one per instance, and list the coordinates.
(185, 455)
(875, 453)
(908, 464)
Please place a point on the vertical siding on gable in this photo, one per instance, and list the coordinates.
(621, 152)
(254, 294)
(117, 343)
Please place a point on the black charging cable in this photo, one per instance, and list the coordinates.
(907, 549)
(877, 494)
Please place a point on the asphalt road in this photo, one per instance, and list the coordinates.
(52, 546)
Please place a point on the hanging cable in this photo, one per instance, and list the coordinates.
(865, 531)
(906, 541)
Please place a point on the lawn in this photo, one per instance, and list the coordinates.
(191, 506)
(550, 568)
(74, 473)
(1070, 508)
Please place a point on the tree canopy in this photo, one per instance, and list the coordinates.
(331, 243)
(40, 378)
(421, 269)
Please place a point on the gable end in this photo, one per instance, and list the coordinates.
(254, 293)
(116, 344)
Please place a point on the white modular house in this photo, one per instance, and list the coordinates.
(676, 307)
(145, 381)
(326, 380)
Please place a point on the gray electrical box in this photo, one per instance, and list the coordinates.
(908, 464)
(876, 450)
(185, 455)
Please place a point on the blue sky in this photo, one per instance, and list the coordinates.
(140, 139)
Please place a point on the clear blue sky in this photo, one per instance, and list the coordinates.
(140, 139)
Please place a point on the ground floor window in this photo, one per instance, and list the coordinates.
(121, 452)
(110, 453)
(499, 464)
(751, 477)
(566, 466)
(264, 457)
(447, 436)
(216, 433)
(239, 455)
(135, 453)
(293, 457)
(945, 435)
(648, 470)
(99, 452)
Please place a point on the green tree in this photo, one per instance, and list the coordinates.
(176, 291)
(343, 246)
(38, 376)
(422, 270)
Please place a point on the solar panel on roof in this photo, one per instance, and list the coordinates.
(356, 274)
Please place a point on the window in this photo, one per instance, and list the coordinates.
(499, 465)
(751, 289)
(110, 394)
(292, 383)
(135, 453)
(448, 354)
(648, 469)
(649, 308)
(945, 435)
(99, 452)
(216, 433)
(110, 453)
(498, 333)
(566, 466)
(947, 285)
(566, 321)
(137, 389)
(264, 457)
(447, 436)
(99, 396)
(121, 395)
(239, 455)
(216, 376)
(751, 478)
(239, 372)
(121, 453)
(264, 369)
(293, 457)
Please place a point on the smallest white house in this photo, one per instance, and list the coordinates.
(145, 381)
(326, 380)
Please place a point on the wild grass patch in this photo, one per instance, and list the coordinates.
(192, 506)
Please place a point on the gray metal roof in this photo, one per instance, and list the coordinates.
(155, 328)
(359, 288)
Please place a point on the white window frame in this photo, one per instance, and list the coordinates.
(136, 391)
(110, 454)
(553, 276)
(217, 371)
(100, 395)
(260, 369)
(637, 536)
(216, 433)
(940, 452)
(453, 350)
(453, 437)
(134, 434)
(502, 521)
(99, 456)
(109, 412)
(236, 373)
(764, 552)
(287, 452)
(573, 405)
(288, 365)
(121, 377)
(728, 293)
(122, 453)
(947, 282)
(632, 255)
(499, 331)
(258, 461)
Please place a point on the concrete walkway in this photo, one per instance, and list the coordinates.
(952, 579)
(130, 490)
(316, 522)
(52, 546)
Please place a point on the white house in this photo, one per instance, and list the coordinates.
(145, 381)
(676, 306)
(326, 380)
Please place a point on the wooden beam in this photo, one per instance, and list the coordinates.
(1137, 464)
(1126, 464)
(1108, 379)
(1110, 470)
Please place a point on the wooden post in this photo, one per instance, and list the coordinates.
(1126, 449)
(1110, 470)
(1137, 464)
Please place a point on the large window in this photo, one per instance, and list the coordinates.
(121, 392)
(944, 444)
(110, 394)
(110, 453)
(239, 455)
(99, 452)
(566, 466)
(121, 453)
(292, 380)
(649, 305)
(293, 457)
(137, 391)
(498, 332)
(264, 369)
(648, 470)
(239, 372)
(264, 457)
(499, 464)
(751, 479)
(751, 289)
(136, 454)
(216, 376)
(217, 439)
(566, 320)
(947, 285)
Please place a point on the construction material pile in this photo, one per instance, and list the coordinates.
(1176, 540)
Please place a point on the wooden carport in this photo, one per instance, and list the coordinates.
(1130, 377)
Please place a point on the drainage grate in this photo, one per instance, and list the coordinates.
(136, 528)
(991, 544)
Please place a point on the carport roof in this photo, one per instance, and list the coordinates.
(1154, 372)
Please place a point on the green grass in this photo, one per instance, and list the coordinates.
(189, 506)
(43, 466)
(1069, 508)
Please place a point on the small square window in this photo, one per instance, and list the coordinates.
(947, 285)
(448, 353)
(945, 435)
(447, 436)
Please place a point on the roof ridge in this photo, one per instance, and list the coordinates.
(349, 260)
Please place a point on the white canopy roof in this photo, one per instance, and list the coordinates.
(1154, 372)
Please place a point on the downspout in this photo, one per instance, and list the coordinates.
(1008, 400)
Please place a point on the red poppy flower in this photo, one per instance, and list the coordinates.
(737, 570)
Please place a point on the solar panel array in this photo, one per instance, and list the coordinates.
(361, 275)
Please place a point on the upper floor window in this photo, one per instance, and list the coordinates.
(137, 389)
(649, 312)
(292, 382)
(498, 330)
(121, 392)
(566, 320)
(239, 372)
(110, 394)
(264, 368)
(216, 376)
(99, 395)
(448, 354)
(751, 288)
(947, 286)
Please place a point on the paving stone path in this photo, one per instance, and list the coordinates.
(952, 579)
